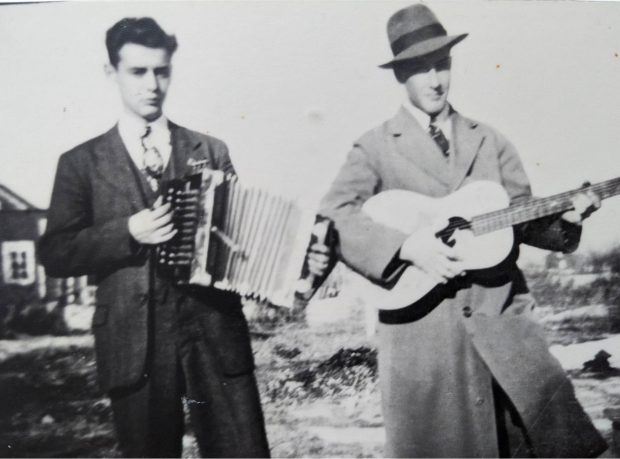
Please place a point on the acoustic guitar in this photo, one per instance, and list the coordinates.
(479, 224)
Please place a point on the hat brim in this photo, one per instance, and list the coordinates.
(423, 48)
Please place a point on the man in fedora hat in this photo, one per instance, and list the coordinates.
(465, 372)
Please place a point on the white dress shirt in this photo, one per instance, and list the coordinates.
(131, 129)
(424, 119)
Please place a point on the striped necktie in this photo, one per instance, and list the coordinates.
(153, 163)
(439, 138)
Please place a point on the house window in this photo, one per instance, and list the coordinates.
(18, 262)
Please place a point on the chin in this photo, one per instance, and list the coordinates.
(151, 115)
(434, 108)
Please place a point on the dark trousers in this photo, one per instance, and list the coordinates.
(225, 410)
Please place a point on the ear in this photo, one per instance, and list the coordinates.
(109, 70)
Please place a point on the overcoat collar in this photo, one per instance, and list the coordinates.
(414, 143)
(115, 167)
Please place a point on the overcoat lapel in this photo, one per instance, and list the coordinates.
(115, 168)
(467, 140)
(415, 144)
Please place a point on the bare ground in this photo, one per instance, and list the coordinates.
(318, 387)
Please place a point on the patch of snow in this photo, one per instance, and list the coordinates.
(10, 348)
(349, 434)
(78, 317)
(328, 310)
(573, 356)
(592, 311)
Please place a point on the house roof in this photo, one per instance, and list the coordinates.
(11, 201)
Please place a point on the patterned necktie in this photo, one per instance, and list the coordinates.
(152, 160)
(439, 138)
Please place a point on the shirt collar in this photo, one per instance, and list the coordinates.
(133, 127)
(422, 117)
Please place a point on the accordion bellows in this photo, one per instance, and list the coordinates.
(241, 239)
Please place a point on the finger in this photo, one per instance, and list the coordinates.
(319, 248)
(162, 220)
(166, 237)
(572, 216)
(595, 199)
(160, 210)
(164, 230)
(450, 253)
(453, 269)
(317, 270)
(437, 273)
(158, 202)
(318, 258)
(447, 271)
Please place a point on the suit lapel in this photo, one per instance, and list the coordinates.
(415, 144)
(467, 140)
(115, 168)
(187, 149)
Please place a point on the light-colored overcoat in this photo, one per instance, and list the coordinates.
(436, 372)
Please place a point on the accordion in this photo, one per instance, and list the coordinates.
(242, 239)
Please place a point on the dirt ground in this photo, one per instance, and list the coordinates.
(318, 387)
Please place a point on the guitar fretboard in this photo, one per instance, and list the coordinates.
(537, 208)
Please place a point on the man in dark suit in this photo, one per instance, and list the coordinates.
(155, 342)
(465, 372)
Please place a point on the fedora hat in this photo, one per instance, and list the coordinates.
(415, 32)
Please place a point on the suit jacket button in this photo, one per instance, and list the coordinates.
(467, 312)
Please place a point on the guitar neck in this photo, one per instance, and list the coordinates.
(538, 208)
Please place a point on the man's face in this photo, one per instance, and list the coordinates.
(143, 77)
(429, 84)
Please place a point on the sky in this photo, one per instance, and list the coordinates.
(290, 85)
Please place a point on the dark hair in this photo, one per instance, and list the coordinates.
(141, 31)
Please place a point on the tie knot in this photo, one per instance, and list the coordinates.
(147, 132)
(147, 139)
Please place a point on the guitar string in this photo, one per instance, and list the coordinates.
(536, 209)
(539, 207)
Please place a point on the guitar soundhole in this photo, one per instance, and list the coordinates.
(454, 223)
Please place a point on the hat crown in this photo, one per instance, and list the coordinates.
(410, 19)
(414, 32)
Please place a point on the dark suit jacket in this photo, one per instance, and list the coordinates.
(95, 193)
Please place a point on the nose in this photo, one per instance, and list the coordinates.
(433, 79)
(150, 81)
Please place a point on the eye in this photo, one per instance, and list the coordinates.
(137, 71)
(162, 71)
(444, 64)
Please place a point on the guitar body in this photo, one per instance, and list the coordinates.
(408, 212)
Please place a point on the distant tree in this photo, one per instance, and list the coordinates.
(609, 259)
(552, 260)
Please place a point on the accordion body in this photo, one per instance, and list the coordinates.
(241, 239)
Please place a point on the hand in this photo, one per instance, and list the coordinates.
(431, 255)
(318, 259)
(152, 226)
(584, 204)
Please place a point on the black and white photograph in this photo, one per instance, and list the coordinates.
(310, 228)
